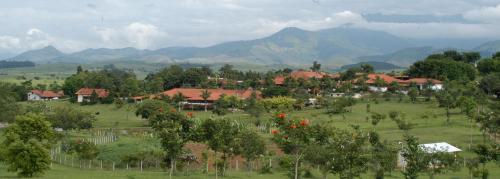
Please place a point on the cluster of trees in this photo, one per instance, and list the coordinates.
(224, 136)
(120, 83)
(15, 64)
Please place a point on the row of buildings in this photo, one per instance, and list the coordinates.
(193, 96)
(371, 80)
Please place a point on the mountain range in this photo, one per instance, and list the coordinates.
(332, 47)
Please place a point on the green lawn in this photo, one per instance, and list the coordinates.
(434, 129)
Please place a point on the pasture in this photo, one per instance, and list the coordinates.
(428, 119)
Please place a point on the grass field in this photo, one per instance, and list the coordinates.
(434, 129)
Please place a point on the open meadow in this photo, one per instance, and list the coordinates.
(133, 137)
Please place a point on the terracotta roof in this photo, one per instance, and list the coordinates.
(388, 79)
(307, 74)
(47, 93)
(279, 80)
(423, 81)
(102, 93)
(195, 93)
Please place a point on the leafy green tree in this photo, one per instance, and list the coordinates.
(316, 66)
(8, 106)
(367, 68)
(252, 145)
(174, 131)
(442, 162)
(487, 66)
(26, 145)
(414, 157)
(383, 156)
(178, 98)
(85, 150)
(220, 136)
(413, 93)
(349, 159)
(252, 107)
(205, 95)
(442, 68)
(148, 108)
(293, 137)
(66, 117)
(376, 118)
(485, 153)
(490, 84)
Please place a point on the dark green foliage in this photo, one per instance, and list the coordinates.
(413, 93)
(490, 84)
(8, 106)
(150, 107)
(252, 145)
(15, 64)
(414, 157)
(442, 67)
(26, 145)
(69, 118)
(85, 150)
(316, 66)
(338, 105)
(273, 91)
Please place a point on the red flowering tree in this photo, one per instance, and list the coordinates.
(292, 136)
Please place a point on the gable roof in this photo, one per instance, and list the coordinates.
(101, 93)
(47, 93)
(307, 74)
(439, 147)
(388, 79)
(195, 93)
(423, 81)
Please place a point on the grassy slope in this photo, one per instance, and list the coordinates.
(431, 130)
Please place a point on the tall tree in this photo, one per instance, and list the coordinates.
(26, 145)
(205, 95)
(316, 66)
(414, 157)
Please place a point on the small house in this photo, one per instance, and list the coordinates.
(84, 94)
(35, 95)
(431, 148)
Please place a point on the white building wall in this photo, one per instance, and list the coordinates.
(80, 98)
(33, 97)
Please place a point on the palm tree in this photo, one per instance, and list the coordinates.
(205, 95)
(178, 98)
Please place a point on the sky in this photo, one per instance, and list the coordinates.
(73, 25)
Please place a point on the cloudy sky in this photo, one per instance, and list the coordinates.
(72, 25)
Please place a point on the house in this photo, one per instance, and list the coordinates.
(422, 83)
(306, 75)
(431, 148)
(84, 93)
(374, 82)
(193, 95)
(35, 95)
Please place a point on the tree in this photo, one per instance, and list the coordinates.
(148, 108)
(485, 154)
(367, 68)
(442, 68)
(79, 69)
(252, 145)
(442, 162)
(349, 159)
(383, 156)
(252, 107)
(414, 157)
(178, 98)
(293, 137)
(85, 150)
(490, 84)
(8, 106)
(220, 136)
(26, 145)
(66, 117)
(174, 131)
(316, 66)
(205, 95)
(376, 118)
(413, 94)
(487, 66)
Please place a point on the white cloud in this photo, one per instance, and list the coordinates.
(139, 35)
(9, 42)
(485, 14)
(36, 38)
(142, 35)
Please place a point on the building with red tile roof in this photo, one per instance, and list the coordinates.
(85, 93)
(193, 95)
(34, 95)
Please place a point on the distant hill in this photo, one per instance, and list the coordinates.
(489, 48)
(292, 46)
(404, 57)
(376, 65)
(38, 56)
